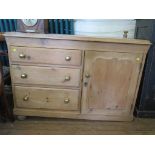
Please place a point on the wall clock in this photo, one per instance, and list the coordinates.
(32, 25)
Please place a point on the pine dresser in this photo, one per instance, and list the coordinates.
(78, 77)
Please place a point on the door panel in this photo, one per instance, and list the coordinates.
(111, 84)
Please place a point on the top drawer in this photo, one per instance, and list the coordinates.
(45, 56)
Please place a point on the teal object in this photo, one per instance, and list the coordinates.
(66, 27)
(61, 26)
(4, 59)
(57, 26)
(71, 26)
(7, 25)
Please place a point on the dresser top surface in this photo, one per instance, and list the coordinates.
(76, 38)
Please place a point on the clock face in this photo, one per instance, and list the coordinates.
(30, 22)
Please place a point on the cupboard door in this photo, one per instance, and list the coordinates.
(110, 82)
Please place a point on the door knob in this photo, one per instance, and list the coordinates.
(87, 75)
(26, 98)
(137, 59)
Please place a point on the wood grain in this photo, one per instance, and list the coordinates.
(70, 114)
(78, 45)
(75, 38)
(112, 82)
(109, 93)
(45, 56)
(45, 75)
(53, 126)
(45, 98)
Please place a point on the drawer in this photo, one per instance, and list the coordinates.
(45, 75)
(45, 56)
(46, 98)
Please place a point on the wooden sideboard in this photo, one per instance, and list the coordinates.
(78, 77)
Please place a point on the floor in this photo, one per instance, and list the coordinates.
(53, 126)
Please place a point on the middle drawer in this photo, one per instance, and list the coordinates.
(46, 75)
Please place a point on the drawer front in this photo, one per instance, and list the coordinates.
(45, 56)
(46, 98)
(45, 75)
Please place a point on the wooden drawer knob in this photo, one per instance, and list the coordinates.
(22, 56)
(26, 98)
(66, 100)
(67, 78)
(68, 58)
(23, 76)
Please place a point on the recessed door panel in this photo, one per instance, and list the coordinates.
(110, 82)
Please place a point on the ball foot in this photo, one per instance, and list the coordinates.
(21, 118)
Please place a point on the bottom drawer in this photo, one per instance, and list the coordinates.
(46, 98)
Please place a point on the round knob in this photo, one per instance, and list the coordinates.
(137, 59)
(87, 75)
(26, 98)
(23, 76)
(67, 78)
(21, 55)
(66, 100)
(68, 58)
